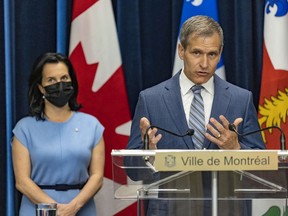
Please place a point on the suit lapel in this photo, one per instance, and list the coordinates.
(221, 102)
(173, 101)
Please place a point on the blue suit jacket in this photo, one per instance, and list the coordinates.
(162, 105)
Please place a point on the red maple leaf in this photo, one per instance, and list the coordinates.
(109, 104)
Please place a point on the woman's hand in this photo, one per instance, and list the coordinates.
(69, 209)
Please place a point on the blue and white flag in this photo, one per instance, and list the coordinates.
(193, 8)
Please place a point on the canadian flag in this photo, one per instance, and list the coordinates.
(94, 52)
(273, 104)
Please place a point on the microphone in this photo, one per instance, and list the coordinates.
(232, 127)
(189, 132)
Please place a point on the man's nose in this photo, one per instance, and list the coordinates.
(204, 61)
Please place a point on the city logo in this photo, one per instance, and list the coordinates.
(170, 161)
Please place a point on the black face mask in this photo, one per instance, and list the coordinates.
(59, 93)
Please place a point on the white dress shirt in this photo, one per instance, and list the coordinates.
(207, 94)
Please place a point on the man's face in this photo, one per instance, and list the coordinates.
(201, 57)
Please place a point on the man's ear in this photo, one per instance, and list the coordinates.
(180, 51)
(220, 53)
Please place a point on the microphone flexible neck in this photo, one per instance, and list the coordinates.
(189, 132)
(232, 127)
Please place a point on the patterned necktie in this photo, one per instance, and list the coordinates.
(197, 117)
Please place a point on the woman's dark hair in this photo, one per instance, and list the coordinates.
(36, 102)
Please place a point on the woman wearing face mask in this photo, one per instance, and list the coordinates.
(58, 152)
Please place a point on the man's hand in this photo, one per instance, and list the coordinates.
(153, 140)
(221, 135)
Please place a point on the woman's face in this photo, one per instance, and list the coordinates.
(56, 84)
(55, 72)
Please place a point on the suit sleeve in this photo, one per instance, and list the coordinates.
(137, 168)
(135, 141)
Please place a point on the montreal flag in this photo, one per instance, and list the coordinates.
(273, 103)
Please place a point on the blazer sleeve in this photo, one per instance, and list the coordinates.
(135, 141)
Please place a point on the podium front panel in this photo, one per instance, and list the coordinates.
(191, 192)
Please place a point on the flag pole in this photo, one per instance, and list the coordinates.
(61, 26)
(9, 71)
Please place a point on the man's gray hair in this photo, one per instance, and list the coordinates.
(201, 26)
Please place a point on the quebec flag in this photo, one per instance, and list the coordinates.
(193, 8)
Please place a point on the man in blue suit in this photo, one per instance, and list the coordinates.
(167, 105)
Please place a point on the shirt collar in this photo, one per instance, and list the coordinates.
(186, 84)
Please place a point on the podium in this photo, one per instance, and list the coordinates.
(202, 182)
